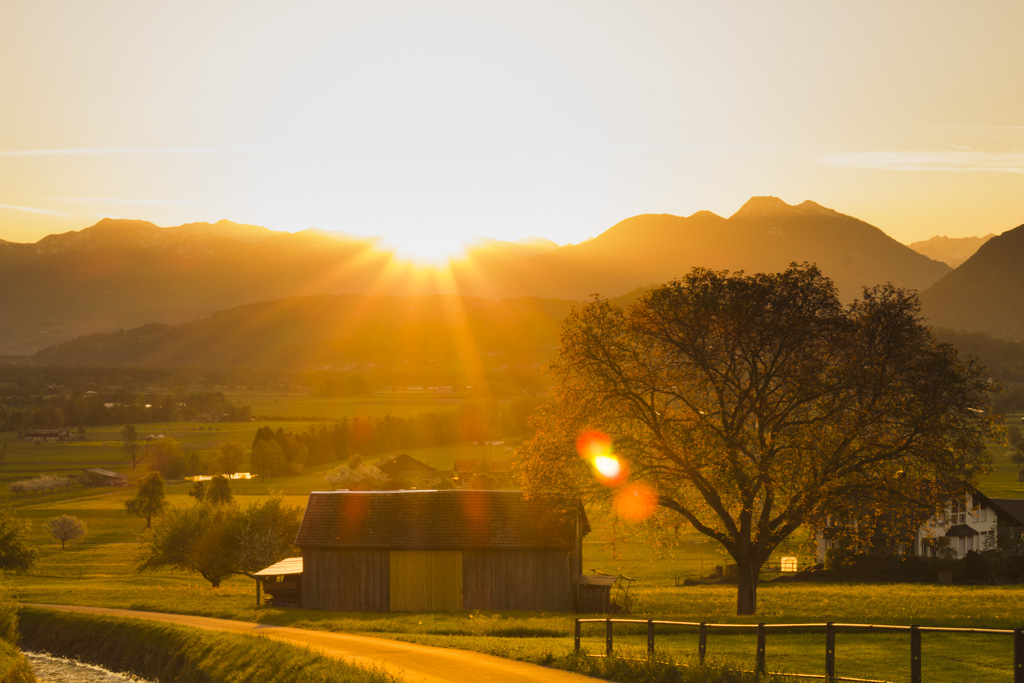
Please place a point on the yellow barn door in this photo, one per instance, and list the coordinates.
(425, 580)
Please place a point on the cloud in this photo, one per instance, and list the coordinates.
(32, 209)
(945, 161)
(86, 151)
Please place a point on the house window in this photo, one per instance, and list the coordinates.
(960, 513)
(983, 514)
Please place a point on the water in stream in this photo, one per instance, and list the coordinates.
(50, 669)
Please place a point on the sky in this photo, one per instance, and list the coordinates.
(431, 123)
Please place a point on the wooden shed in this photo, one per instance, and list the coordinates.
(281, 581)
(420, 551)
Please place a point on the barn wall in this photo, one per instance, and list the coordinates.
(425, 580)
(517, 579)
(345, 580)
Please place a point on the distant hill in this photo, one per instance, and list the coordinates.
(121, 274)
(323, 331)
(766, 234)
(950, 250)
(986, 293)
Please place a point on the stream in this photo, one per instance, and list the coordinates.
(50, 669)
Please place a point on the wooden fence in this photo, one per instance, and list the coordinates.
(830, 629)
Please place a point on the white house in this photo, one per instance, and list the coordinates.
(973, 522)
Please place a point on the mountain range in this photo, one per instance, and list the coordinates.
(122, 274)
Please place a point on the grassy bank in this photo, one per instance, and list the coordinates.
(14, 668)
(163, 652)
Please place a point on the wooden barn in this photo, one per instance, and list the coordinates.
(421, 551)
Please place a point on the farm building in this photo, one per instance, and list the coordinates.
(407, 468)
(98, 477)
(412, 551)
(465, 470)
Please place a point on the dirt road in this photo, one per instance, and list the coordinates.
(411, 662)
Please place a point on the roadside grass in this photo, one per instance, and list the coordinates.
(170, 652)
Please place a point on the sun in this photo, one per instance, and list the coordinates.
(426, 248)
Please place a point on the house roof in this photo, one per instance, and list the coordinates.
(1011, 508)
(483, 466)
(961, 530)
(450, 519)
(289, 565)
(404, 463)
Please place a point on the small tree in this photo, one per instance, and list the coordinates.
(131, 445)
(1014, 437)
(1016, 456)
(149, 499)
(216, 541)
(15, 552)
(165, 457)
(219, 491)
(267, 458)
(229, 458)
(65, 528)
(198, 490)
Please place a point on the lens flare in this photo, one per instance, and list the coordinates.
(593, 444)
(610, 470)
(635, 502)
(608, 466)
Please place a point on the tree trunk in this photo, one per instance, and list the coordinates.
(746, 596)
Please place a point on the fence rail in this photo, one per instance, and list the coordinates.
(830, 629)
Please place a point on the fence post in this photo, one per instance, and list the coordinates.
(702, 642)
(915, 654)
(1018, 655)
(608, 637)
(762, 634)
(650, 638)
(577, 634)
(830, 652)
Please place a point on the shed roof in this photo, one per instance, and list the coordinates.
(449, 519)
(107, 473)
(289, 565)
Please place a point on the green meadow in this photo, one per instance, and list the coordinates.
(99, 570)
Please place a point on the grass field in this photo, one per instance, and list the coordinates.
(99, 571)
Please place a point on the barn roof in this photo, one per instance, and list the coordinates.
(449, 519)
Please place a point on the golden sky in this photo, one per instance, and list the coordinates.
(432, 122)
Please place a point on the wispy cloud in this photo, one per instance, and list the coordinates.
(125, 201)
(32, 209)
(86, 151)
(955, 160)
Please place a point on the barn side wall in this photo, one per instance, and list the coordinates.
(345, 580)
(538, 580)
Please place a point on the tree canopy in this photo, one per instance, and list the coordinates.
(149, 499)
(15, 552)
(216, 541)
(749, 405)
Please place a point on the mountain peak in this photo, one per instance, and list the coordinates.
(759, 206)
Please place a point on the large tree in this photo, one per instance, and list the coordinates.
(749, 405)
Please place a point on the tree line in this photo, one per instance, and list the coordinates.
(101, 409)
